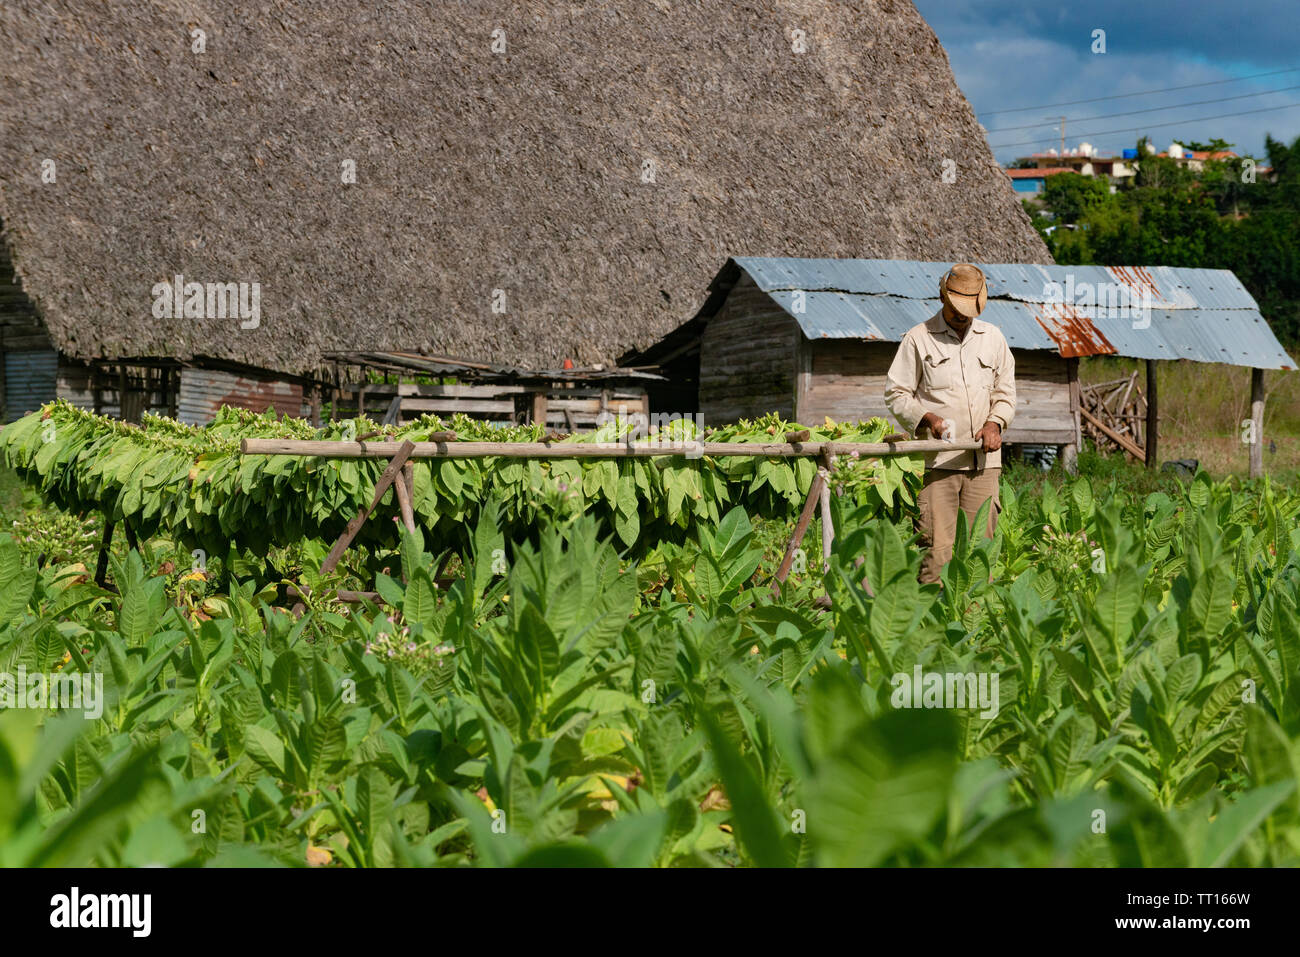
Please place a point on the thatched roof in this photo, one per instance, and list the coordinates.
(476, 170)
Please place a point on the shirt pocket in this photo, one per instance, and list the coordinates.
(939, 372)
(987, 372)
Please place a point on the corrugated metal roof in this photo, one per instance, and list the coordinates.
(463, 369)
(1201, 314)
(204, 391)
(30, 377)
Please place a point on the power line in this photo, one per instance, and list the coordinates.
(1152, 109)
(1121, 96)
(1150, 126)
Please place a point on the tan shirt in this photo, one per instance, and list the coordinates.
(966, 381)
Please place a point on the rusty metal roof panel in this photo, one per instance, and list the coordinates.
(1205, 315)
(204, 391)
(1168, 287)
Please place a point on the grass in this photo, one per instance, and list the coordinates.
(1201, 410)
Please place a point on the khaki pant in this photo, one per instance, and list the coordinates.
(943, 493)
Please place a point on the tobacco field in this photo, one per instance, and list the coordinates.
(539, 684)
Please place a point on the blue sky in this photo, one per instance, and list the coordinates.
(1015, 53)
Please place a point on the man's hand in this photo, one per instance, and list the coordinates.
(990, 436)
(932, 423)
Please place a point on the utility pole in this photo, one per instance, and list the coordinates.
(1063, 136)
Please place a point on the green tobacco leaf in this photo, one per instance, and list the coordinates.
(17, 581)
(755, 820)
(420, 603)
(266, 749)
(884, 788)
(1236, 822)
(1116, 604)
(563, 855)
(141, 610)
(631, 840)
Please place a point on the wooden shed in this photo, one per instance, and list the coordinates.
(811, 338)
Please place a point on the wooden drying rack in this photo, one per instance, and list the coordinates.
(444, 445)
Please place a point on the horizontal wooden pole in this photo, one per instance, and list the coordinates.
(590, 450)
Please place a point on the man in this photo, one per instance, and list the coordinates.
(953, 377)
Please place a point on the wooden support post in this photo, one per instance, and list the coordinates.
(394, 414)
(1070, 458)
(313, 404)
(828, 527)
(1070, 451)
(390, 474)
(827, 461)
(800, 529)
(101, 566)
(354, 526)
(403, 491)
(1257, 395)
(538, 414)
(1152, 415)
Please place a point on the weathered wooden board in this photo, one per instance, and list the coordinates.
(847, 381)
(747, 358)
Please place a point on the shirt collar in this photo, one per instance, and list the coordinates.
(938, 327)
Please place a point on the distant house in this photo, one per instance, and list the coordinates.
(1195, 160)
(1033, 180)
(1033, 170)
(811, 338)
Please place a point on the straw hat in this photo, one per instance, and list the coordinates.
(964, 288)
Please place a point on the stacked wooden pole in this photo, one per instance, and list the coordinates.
(1116, 412)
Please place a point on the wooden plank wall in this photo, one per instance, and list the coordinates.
(748, 358)
(202, 393)
(846, 381)
(76, 383)
(584, 404)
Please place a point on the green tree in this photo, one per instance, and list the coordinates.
(1215, 145)
(1072, 195)
(1214, 218)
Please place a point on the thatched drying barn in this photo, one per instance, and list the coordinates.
(518, 182)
